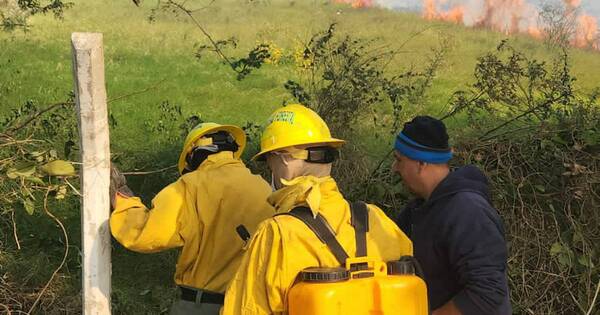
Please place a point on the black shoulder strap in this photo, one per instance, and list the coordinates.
(360, 222)
(323, 231)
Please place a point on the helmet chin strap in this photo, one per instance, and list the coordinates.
(283, 161)
(273, 187)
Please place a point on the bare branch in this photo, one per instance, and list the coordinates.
(203, 30)
(64, 260)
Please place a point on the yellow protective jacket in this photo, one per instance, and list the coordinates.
(199, 212)
(283, 245)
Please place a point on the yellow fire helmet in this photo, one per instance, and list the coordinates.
(294, 125)
(205, 129)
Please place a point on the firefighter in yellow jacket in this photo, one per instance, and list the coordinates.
(202, 213)
(299, 151)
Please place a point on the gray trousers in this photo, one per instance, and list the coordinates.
(184, 307)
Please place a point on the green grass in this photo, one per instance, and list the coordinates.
(139, 54)
(36, 65)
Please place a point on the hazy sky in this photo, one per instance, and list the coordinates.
(590, 6)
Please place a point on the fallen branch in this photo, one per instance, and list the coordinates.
(36, 115)
(202, 8)
(150, 172)
(14, 223)
(528, 112)
(201, 28)
(589, 312)
(136, 92)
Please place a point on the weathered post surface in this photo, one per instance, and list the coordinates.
(90, 93)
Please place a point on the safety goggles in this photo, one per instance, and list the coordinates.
(321, 155)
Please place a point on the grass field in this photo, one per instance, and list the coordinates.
(37, 65)
(159, 57)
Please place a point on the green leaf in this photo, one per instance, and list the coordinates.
(145, 292)
(591, 137)
(37, 155)
(577, 237)
(36, 180)
(58, 168)
(22, 169)
(540, 188)
(565, 260)
(585, 261)
(29, 206)
(556, 249)
(558, 140)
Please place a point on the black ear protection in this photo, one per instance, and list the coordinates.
(221, 141)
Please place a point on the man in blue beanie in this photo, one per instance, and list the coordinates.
(457, 235)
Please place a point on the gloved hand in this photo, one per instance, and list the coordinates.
(118, 184)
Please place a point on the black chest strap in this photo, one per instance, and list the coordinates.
(360, 222)
(322, 229)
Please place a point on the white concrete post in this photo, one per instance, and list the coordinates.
(90, 93)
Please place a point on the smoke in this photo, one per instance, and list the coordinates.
(586, 31)
(507, 16)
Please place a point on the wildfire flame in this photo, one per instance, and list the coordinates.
(507, 16)
(357, 3)
(586, 33)
(431, 12)
(513, 16)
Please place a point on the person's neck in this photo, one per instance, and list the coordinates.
(436, 177)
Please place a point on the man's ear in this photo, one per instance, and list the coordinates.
(421, 166)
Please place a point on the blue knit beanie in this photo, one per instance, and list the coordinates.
(424, 139)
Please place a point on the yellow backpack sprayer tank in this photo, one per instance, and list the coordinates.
(363, 285)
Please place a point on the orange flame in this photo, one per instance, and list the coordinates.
(357, 3)
(586, 34)
(586, 31)
(572, 4)
(455, 15)
(507, 16)
(513, 16)
(430, 12)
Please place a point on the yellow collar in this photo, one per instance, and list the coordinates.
(303, 190)
(218, 159)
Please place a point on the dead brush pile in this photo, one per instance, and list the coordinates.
(17, 298)
(542, 155)
(548, 194)
(538, 140)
